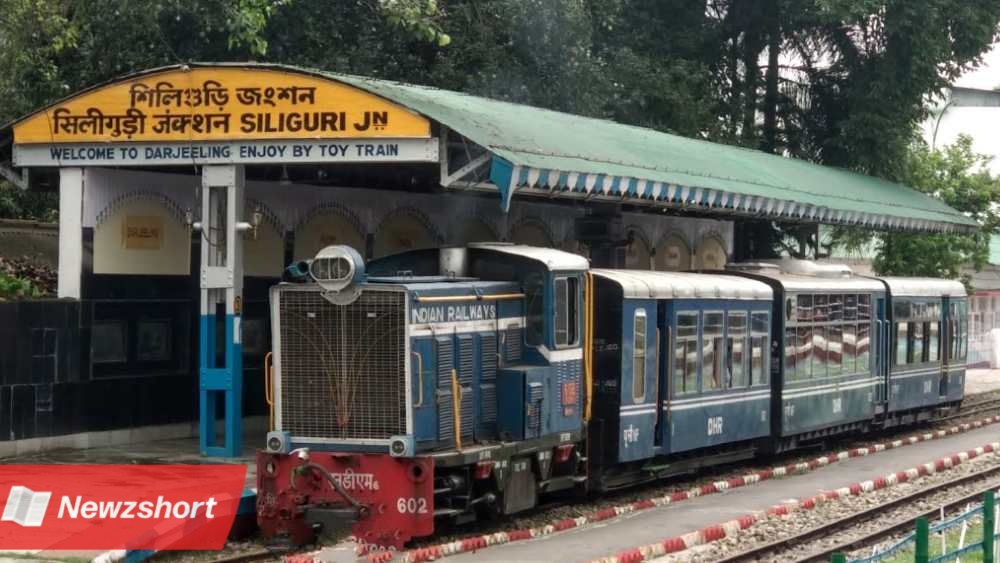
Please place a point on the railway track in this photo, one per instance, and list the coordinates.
(972, 409)
(784, 549)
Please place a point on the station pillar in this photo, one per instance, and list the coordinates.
(221, 288)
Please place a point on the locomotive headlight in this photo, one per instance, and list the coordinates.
(336, 267)
(278, 442)
(401, 446)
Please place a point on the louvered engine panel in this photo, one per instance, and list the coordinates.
(466, 365)
(534, 423)
(512, 345)
(487, 383)
(342, 367)
(444, 357)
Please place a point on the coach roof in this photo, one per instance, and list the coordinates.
(646, 284)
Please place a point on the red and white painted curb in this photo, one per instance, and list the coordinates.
(474, 543)
(731, 528)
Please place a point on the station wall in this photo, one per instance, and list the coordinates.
(125, 355)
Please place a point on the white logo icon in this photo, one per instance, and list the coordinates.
(26, 507)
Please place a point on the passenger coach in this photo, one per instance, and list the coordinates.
(929, 331)
(681, 364)
(827, 375)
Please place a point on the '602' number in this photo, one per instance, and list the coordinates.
(411, 505)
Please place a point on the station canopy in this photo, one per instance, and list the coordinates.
(486, 145)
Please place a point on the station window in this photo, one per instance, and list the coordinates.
(736, 343)
(153, 340)
(686, 354)
(639, 356)
(108, 342)
(758, 349)
(567, 315)
(712, 352)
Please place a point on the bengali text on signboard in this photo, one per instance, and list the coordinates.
(214, 104)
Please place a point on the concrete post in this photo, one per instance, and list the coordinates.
(70, 232)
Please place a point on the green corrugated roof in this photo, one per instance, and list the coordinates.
(544, 139)
(557, 143)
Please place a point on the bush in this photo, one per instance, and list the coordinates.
(16, 288)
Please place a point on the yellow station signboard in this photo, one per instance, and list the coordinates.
(221, 104)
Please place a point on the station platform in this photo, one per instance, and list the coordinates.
(982, 381)
(180, 451)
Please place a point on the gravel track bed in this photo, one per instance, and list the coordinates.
(573, 508)
(772, 528)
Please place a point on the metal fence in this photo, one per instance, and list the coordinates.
(985, 549)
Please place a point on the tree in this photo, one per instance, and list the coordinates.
(959, 177)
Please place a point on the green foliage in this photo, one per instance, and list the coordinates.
(957, 175)
(16, 203)
(841, 82)
(16, 288)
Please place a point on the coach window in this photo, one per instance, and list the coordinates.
(834, 349)
(902, 343)
(758, 349)
(933, 341)
(566, 311)
(804, 352)
(864, 332)
(849, 348)
(712, 352)
(736, 342)
(804, 308)
(686, 354)
(639, 356)
(919, 349)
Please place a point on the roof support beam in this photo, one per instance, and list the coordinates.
(18, 179)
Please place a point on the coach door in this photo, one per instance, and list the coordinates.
(662, 371)
(883, 349)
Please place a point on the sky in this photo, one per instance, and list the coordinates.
(987, 76)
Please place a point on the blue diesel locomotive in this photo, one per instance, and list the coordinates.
(465, 382)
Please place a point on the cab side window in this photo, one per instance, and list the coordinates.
(567, 314)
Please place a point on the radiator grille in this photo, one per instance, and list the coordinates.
(343, 366)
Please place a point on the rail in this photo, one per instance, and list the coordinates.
(766, 552)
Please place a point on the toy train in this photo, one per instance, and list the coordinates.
(466, 382)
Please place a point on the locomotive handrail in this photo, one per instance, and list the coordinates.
(268, 389)
(588, 345)
(455, 298)
(420, 378)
